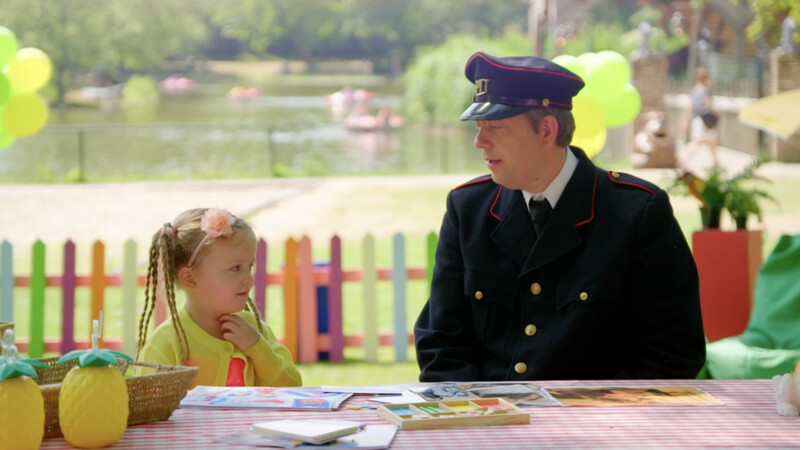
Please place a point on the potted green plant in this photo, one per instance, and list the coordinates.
(742, 200)
(718, 192)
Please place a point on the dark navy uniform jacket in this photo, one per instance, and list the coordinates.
(609, 290)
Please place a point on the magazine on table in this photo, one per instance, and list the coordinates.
(626, 396)
(518, 393)
(262, 397)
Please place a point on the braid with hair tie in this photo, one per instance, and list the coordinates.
(250, 306)
(160, 275)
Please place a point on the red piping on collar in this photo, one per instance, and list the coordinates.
(491, 209)
(470, 183)
(594, 195)
(627, 183)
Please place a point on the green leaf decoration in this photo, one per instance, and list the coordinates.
(17, 367)
(94, 357)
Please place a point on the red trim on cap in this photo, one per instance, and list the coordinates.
(565, 105)
(594, 195)
(524, 69)
(628, 183)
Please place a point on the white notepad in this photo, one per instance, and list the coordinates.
(311, 431)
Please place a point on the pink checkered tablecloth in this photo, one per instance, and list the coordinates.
(747, 419)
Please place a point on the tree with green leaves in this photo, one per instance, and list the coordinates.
(435, 86)
(115, 36)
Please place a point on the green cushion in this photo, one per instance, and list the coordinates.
(730, 358)
(770, 345)
(775, 320)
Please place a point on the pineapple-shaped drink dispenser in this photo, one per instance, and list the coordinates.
(93, 401)
(21, 401)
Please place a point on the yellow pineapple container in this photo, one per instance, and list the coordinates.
(21, 402)
(93, 402)
(150, 396)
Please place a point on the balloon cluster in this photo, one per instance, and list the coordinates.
(608, 100)
(22, 72)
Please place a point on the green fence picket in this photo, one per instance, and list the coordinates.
(369, 278)
(129, 291)
(38, 282)
(432, 241)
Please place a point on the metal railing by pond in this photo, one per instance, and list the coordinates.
(219, 150)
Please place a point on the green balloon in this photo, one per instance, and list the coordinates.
(571, 63)
(8, 46)
(625, 108)
(6, 140)
(5, 88)
(608, 70)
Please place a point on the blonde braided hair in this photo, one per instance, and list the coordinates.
(172, 246)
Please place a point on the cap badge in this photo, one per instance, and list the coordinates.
(481, 86)
(546, 102)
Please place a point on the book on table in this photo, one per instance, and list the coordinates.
(262, 397)
(311, 431)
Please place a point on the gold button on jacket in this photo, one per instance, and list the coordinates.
(584, 296)
(478, 295)
(520, 367)
(530, 329)
(536, 288)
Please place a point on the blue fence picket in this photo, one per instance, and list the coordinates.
(399, 278)
(6, 282)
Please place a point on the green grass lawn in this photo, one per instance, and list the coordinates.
(353, 370)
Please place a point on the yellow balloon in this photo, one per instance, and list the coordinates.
(590, 124)
(30, 70)
(24, 114)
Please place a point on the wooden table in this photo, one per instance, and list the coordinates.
(748, 419)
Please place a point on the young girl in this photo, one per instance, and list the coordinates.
(210, 253)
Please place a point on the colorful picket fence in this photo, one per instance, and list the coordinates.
(299, 279)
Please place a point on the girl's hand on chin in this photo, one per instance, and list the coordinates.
(238, 331)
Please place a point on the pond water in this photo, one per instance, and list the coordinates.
(289, 130)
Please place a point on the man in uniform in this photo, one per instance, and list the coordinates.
(552, 268)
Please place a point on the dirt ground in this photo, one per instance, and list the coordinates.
(276, 208)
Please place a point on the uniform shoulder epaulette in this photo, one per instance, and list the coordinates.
(474, 181)
(631, 180)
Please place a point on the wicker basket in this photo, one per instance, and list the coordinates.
(151, 397)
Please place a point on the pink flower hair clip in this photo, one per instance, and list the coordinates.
(215, 222)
